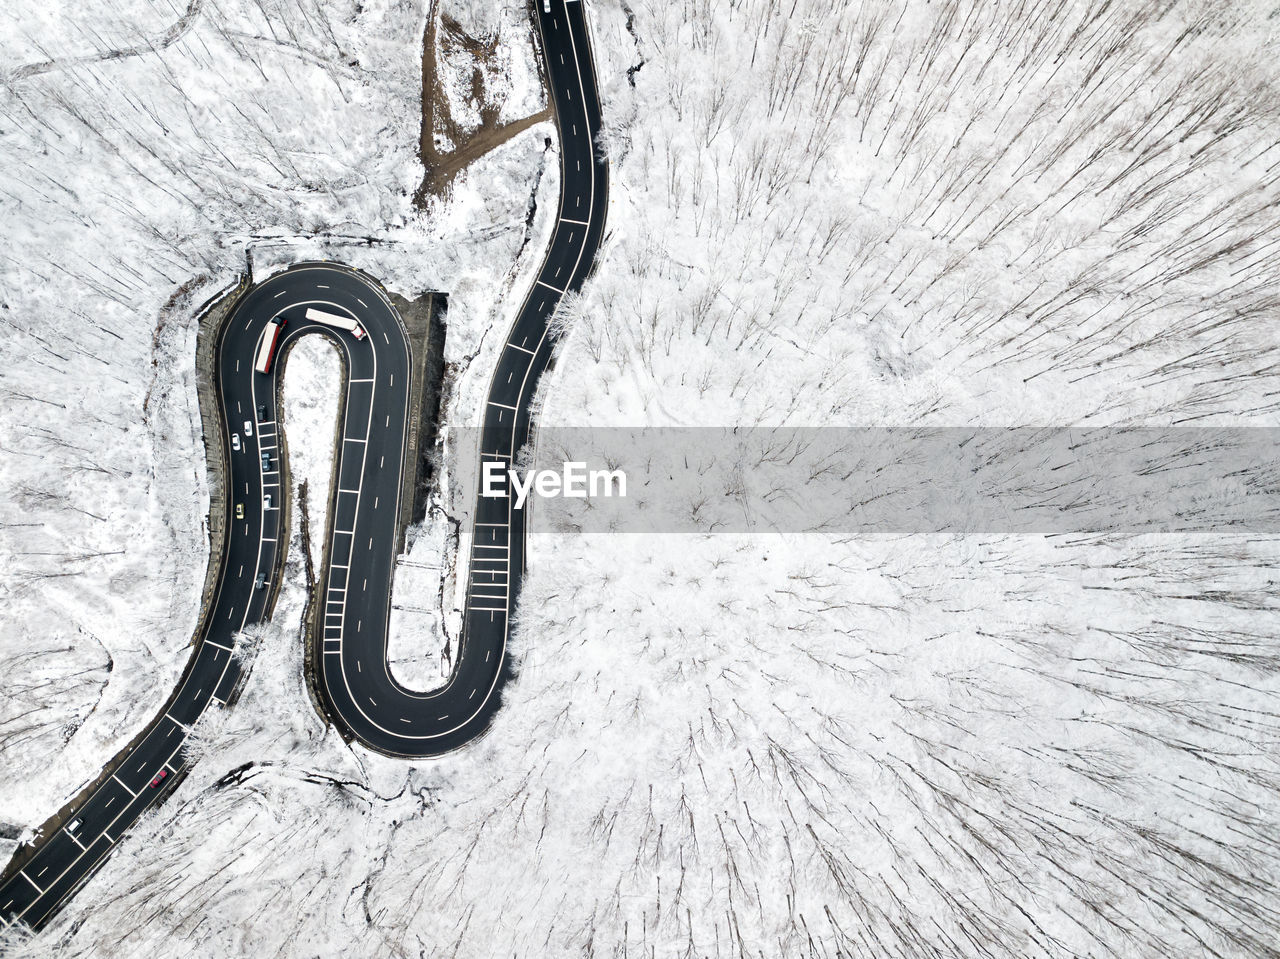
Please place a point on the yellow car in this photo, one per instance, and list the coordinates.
(239, 510)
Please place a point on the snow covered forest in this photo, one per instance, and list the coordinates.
(870, 212)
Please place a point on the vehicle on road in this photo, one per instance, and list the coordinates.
(74, 825)
(341, 322)
(266, 461)
(267, 351)
(235, 441)
(262, 411)
(160, 777)
(239, 510)
(261, 581)
(266, 501)
(546, 6)
(248, 427)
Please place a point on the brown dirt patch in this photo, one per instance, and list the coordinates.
(469, 144)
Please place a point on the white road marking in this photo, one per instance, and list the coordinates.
(126, 788)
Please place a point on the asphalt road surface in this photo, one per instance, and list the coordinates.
(358, 571)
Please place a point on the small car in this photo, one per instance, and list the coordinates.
(235, 441)
(262, 411)
(74, 825)
(160, 777)
(261, 581)
(248, 427)
(546, 6)
(239, 510)
(266, 501)
(266, 461)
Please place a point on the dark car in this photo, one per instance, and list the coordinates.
(262, 411)
(160, 777)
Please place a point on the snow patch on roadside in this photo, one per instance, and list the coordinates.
(311, 391)
(416, 643)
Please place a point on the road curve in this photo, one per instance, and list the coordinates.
(362, 695)
(377, 710)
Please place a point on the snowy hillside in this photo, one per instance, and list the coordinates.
(134, 185)
(875, 212)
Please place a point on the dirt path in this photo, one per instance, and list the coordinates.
(437, 117)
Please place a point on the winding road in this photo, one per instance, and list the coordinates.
(351, 646)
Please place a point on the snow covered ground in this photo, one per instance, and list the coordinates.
(876, 212)
(311, 388)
